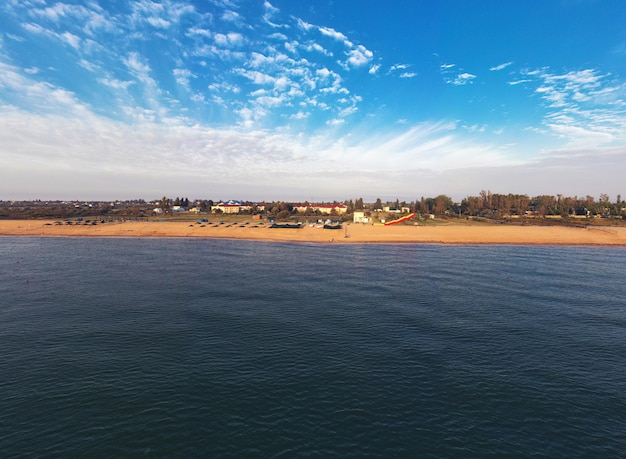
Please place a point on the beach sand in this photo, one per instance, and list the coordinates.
(356, 233)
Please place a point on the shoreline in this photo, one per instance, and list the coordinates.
(447, 234)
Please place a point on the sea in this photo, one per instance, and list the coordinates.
(181, 348)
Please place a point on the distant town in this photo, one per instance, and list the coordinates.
(486, 205)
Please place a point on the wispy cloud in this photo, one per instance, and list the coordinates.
(229, 40)
(584, 107)
(66, 37)
(332, 33)
(455, 76)
(135, 63)
(246, 91)
(116, 84)
(516, 82)
(270, 13)
(497, 68)
(287, 61)
(462, 79)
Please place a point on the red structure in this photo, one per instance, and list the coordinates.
(400, 220)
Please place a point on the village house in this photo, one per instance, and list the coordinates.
(321, 208)
(234, 207)
(359, 217)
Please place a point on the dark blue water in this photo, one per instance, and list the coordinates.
(214, 348)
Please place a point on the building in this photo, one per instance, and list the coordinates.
(359, 217)
(321, 208)
(234, 207)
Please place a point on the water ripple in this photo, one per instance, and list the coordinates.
(187, 348)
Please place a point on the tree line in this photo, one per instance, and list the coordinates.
(503, 205)
(486, 204)
(496, 205)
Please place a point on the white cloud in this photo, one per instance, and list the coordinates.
(348, 111)
(270, 12)
(300, 115)
(231, 16)
(408, 75)
(150, 159)
(225, 87)
(291, 46)
(318, 48)
(359, 56)
(229, 40)
(374, 69)
(159, 15)
(324, 73)
(304, 25)
(38, 97)
(335, 122)
(92, 67)
(332, 33)
(71, 39)
(52, 13)
(116, 84)
(14, 37)
(516, 82)
(497, 68)
(463, 79)
(158, 22)
(66, 37)
(198, 31)
(256, 77)
(395, 67)
(182, 76)
(584, 108)
(281, 83)
(34, 28)
(281, 37)
(136, 63)
(580, 137)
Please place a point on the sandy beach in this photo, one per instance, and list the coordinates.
(353, 233)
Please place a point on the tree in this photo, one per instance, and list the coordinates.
(442, 203)
(378, 204)
(424, 208)
(486, 199)
(165, 206)
(350, 206)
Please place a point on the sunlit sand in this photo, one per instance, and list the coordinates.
(351, 233)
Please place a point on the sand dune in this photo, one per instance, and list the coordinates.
(353, 233)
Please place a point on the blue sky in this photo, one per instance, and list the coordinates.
(316, 100)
